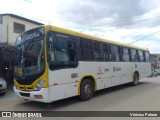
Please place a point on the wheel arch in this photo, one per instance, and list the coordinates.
(90, 77)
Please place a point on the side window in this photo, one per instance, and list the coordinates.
(125, 54)
(71, 51)
(105, 52)
(115, 56)
(97, 51)
(86, 50)
(134, 56)
(147, 58)
(61, 52)
(141, 55)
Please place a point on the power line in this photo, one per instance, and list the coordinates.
(118, 25)
(95, 17)
(145, 37)
(129, 23)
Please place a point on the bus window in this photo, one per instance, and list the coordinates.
(72, 52)
(86, 50)
(105, 52)
(97, 51)
(141, 56)
(125, 56)
(61, 52)
(134, 56)
(115, 53)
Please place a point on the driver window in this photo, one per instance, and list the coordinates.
(58, 50)
(61, 52)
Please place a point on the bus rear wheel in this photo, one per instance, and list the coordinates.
(135, 79)
(86, 89)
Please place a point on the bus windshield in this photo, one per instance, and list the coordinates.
(29, 56)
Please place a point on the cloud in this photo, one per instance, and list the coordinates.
(106, 12)
(29, 1)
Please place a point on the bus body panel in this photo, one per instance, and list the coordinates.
(121, 73)
(106, 74)
(63, 83)
(116, 73)
(100, 71)
(143, 69)
(126, 72)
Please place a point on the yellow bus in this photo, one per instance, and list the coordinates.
(53, 63)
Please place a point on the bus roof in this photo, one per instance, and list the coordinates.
(82, 35)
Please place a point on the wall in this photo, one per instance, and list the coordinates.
(155, 61)
(1, 29)
(4, 29)
(8, 29)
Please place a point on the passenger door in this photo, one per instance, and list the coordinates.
(63, 66)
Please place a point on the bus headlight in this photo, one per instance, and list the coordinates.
(39, 85)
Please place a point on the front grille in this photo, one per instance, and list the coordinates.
(25, 94)
(25, 88)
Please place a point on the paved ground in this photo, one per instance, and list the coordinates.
(144, 97)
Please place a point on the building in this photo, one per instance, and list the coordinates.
(10, 27)
(155, 61)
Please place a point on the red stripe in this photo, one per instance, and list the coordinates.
(55, 84)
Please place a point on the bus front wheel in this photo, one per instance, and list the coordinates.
(135, 79)
(86, 89)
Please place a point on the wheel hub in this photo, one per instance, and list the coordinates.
(87, 89)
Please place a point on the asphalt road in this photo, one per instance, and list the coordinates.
(144, 97)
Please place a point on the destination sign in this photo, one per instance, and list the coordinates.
(31, 34)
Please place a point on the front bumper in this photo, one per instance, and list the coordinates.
(32, 95)
(3, 89)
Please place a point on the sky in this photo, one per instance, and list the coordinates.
(134, 22)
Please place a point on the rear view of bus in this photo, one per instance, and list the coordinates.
(31, 80)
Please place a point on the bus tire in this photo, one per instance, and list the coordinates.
(135, 79)
(86, 89)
